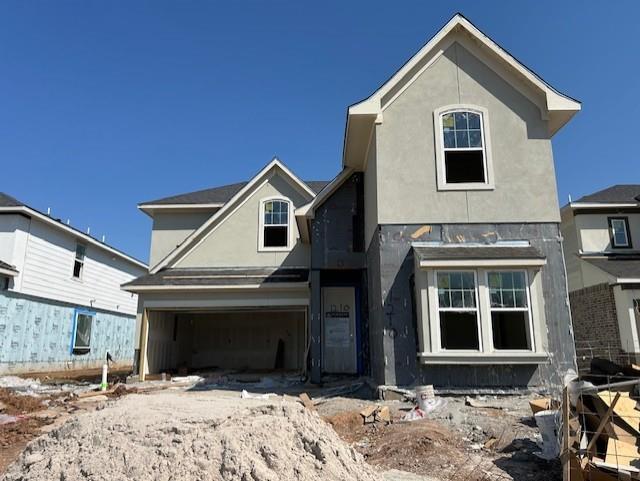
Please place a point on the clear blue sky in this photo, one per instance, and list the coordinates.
(107, 104)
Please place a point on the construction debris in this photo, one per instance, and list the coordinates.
(601, 430)
(307, 402)
(373, 414)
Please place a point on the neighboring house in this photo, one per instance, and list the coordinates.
(433, 257)
(61, 306)
(601, 235)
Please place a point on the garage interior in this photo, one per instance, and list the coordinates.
(266, 339)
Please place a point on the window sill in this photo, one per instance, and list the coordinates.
(274, 249)
(465, 186)
(483, 358)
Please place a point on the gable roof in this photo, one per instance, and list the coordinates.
(227, 208)
(557, 107)
(218, 195)
(616, 194)
(10, 204)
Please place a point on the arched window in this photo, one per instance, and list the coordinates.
(463, 154)
(275, 224)
(463, 147)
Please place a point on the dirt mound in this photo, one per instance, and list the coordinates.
(424, 447)
(19, 404)
(265, 443)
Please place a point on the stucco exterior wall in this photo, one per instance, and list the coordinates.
(171, 228)
(595, 235)
(571, 247)
(525, 190)
(234, 241)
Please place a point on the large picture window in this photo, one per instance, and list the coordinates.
(458, 311)
(509, 305)
(275, 224)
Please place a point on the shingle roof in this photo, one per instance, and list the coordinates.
(219, 195)
(220, 277)
(8, 201)
(622, 267)
(478, 253)
(622, 193)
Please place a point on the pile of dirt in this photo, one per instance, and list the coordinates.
(424, 447)
(15, 404)
(281, 441)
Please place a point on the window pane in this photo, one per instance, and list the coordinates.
(80, 251)
(77, 269)
(268, 218)
(449, 139)
(284, 216)
(519, 280)
(268, 207)
(469, 298)
(510, 330)
(475, 138)
(468, 280)
(443, 280)
(456, 298)
(462, 138)
(459, 330)
(83, 331)
(507, 280)
(443, 299)
(275, 236)
(464, 166)
(520, 298)
(447, 121)
(508, 298)
(474, 120)
(456, 280)
(461, 121)
(496, 297)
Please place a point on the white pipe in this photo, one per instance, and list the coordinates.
(103, 384)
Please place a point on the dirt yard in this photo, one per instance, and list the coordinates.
(218, 435)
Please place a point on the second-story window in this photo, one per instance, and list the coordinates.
(619, 228)
(463, 142)
(275, 228)
(78, 264)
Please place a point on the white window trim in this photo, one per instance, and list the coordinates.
(528, 310)
(290, 237)
(486, 145)
(452, 309)
(429, 321)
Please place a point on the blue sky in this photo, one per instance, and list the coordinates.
(107, 104)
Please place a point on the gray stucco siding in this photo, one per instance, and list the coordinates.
(520, 147)
(393, 318)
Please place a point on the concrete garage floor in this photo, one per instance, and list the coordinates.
(458, 442)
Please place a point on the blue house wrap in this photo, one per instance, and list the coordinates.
(38, 335)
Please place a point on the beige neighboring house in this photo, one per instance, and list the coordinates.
(433, 256)
(601, 234)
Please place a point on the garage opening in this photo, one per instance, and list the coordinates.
(248, 340)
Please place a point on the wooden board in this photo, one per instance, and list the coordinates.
(306, 400)
(625, 408)
(622, 454)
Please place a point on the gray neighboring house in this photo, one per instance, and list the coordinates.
(602, 249)
(434, 256)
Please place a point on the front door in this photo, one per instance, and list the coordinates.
(339, 353)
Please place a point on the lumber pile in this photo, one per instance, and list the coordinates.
(601, 431)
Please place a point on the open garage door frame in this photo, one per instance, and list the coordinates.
(165, 340)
